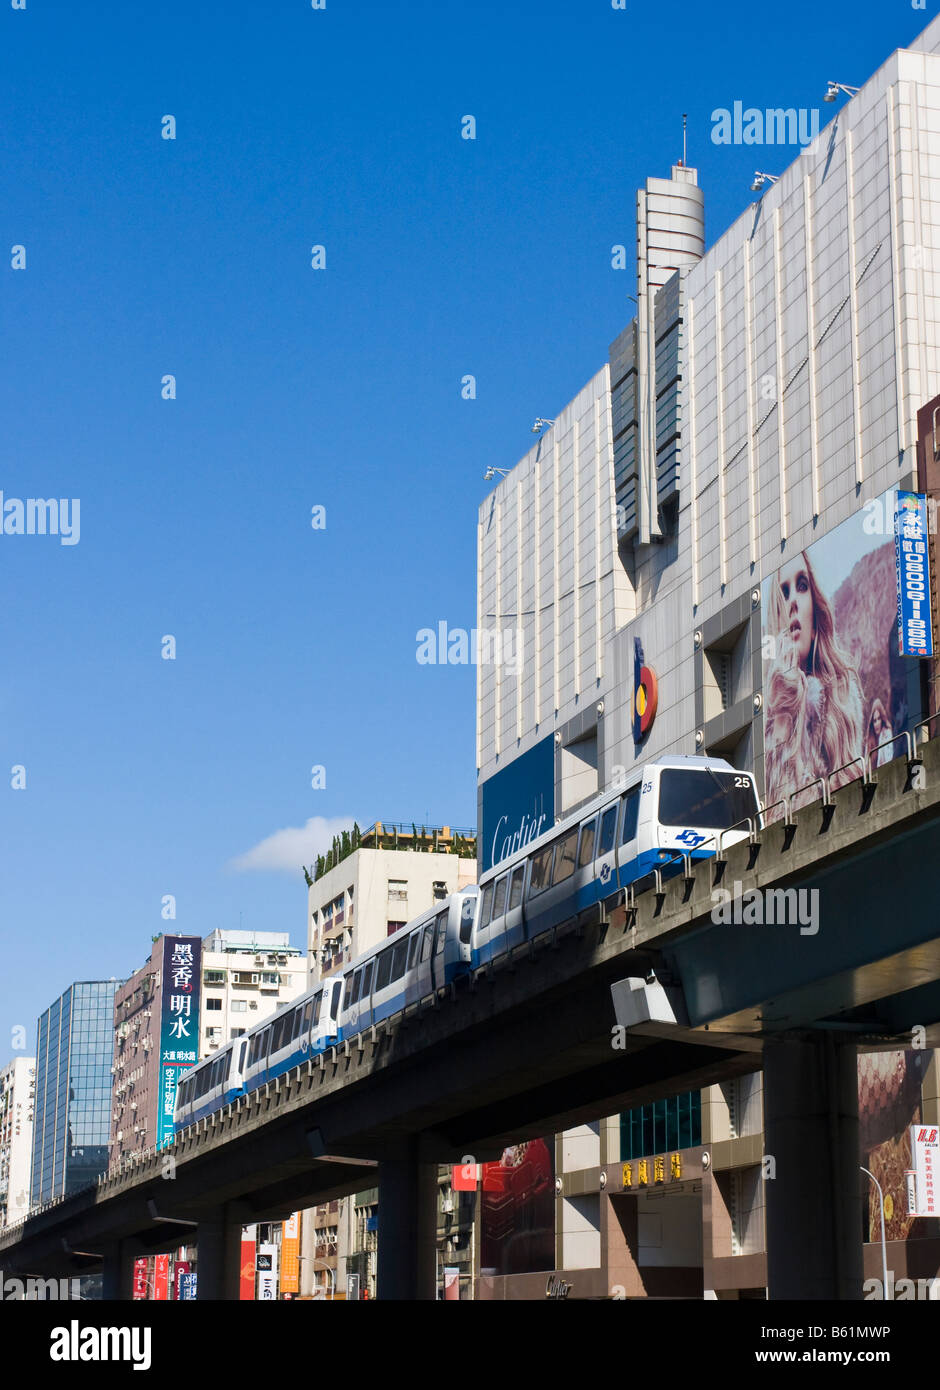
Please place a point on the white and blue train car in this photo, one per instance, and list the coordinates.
(210, 1084)
(671, 807)
(299, 1031)
(427, 954)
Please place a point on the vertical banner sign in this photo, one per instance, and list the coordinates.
(161, 1278)
(179, 1023)
(180, 1270)
(266, 1263)
(290, 1254)
(915, 631)
(925, 1151)
(188, 1285)
(246, 1275)
(140, 1279)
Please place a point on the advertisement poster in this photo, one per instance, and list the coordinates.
(161, 1278)
(518, 804)
(834, 684)
(518, 1210)
(246, 1273)
(889, 1104)
(290, 1254)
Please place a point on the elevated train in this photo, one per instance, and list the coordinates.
(669, 808)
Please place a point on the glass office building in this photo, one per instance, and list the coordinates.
(73, 1090)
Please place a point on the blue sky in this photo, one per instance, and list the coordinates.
(297, 387)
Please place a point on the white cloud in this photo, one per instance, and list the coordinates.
(286, 850)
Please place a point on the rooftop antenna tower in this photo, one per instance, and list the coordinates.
(684, 122)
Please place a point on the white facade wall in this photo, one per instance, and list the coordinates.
(548, 566)
(17, 1093)
(580, 1232)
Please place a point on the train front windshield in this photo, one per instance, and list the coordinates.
(712, 800)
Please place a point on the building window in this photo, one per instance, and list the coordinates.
(236, 1032)
(213, 1004)
(269, 977)
(674, 1123)
(239, 1006)
(393, 927)
(214, 977)
(398, 889)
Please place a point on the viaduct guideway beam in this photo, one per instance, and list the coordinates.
(814, 1230)
(407, 1255)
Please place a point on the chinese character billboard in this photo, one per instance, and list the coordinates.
(925, 1152)
(915, 630)
(179, 1023)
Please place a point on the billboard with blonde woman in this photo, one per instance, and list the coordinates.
(834, 686)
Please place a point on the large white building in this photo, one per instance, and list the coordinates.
(765, 397)
(17, 1096)
(791, 359)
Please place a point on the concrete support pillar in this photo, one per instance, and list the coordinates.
(814, 1222)
(218, 1255)
(407, 1254)
(117, 1277)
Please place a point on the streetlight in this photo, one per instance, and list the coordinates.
(491, 473)
(329, 1268)
(760, 179)
(540, 425)
(834, 88)
(884, 1248)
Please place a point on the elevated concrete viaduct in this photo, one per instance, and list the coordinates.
(526, 1049)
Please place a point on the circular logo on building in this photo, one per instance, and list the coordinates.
(644, 700)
